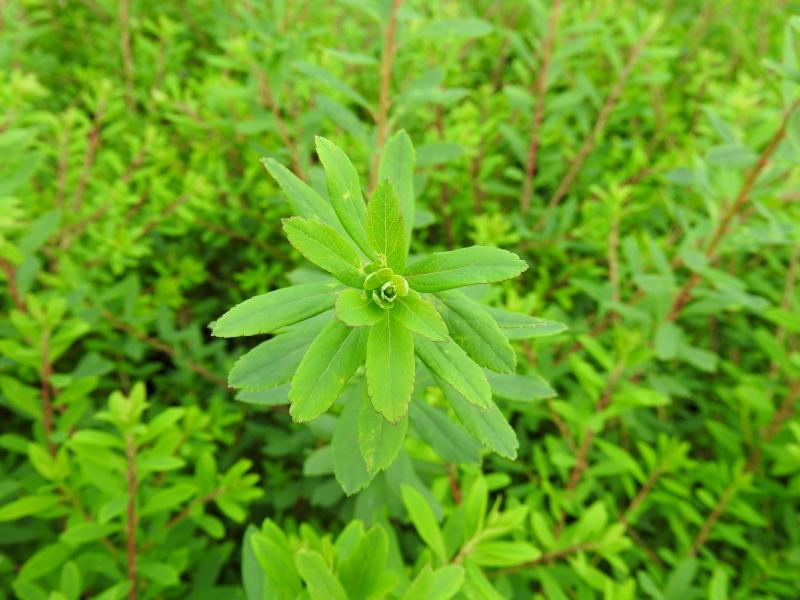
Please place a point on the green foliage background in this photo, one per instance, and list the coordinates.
(649, 177)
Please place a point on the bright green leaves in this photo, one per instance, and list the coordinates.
(323, 246)
(421, 515)
(331, 360)
(467, 266)
(388, 315)
(345, 192)
(386, 227)
(269, 312)
(390, 367)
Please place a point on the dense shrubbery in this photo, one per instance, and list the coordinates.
(640, 157)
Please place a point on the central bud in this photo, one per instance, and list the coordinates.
(385, 286)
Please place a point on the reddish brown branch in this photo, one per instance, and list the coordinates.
(455, 489)
(685, 293)
(384, 93)
(125, 47)
(539, 91)
(268, 101)
(13, 291)
(92, 144)
(45, 373)
(130, 527)
(599, 125)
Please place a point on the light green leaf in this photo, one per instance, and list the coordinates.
(273, 554)
(273, 362)
(273, 310)
(275, 396)
(472, 328)
(356, 308)
(419, 316)
(24, 507)
(467, 266)
(498, 554)
(489, 426)
(330, 361)
(450, 441)
(45, 560)
(385, 226)
(321, 583)
(305, 202)
(517, 326)
(519, 388)
(345, 192)
(424, 521)
(349, 467)
(361, 571)
(390, 367)
(448, 362)
(378, 439)
(324, 247)
(397, 165)
(440, 584)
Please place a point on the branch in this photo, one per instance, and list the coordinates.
(130, 527)
(384, 98)
(685, 294)
(599, 125)
(539, 89)
(11, 277)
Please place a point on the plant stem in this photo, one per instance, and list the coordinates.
(130, 531)
(539, 91)
(125, 47)
(384, 94)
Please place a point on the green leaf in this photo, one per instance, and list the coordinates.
(45, 560)
(331, 360)
(356, 308)
(489, 426)
(424, 521)
(450, 441)
(323, 246)
(517, 326)
(345, 192)
(390, 367)
(29, 505)
(498, 554)
(271, 550)
(378, 439)
(519, 388)
(321, 583)
(275, 396)
(440, 584)
(467, 266)
(419, 316)
(305, 202)
(349, 467)
(273, 310)
(273, 362)
(472, 328)
(361, 571)
(385, 226)
(397, 165)
(448, 362)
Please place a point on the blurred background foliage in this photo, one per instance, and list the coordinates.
(642, 156)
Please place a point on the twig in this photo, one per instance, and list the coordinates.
(539, 90)
(130, 528)
(93, 143)
(599, 125)
(384, 97)
(685, 294)
(546, 558)
(268, 101)
(454, 487)
(125, 47)
(45, 372)
(13, 291)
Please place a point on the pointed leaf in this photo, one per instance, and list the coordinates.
(321, 583)
(324, 247)
(517, 326)
(397, 165)
(448, 362)
(305, 202)
(467, 266)
(273, 310)
(361, 571)
(345, 192)
(348, 465)
(331, 360)
(390, 367)
(447, 437)
(424, 521)
(356, 308)
(378, 439)
(273, 362)
(419, 316)
(476, 332)
(489, 426)
(274, 555)
(385, 226)
(519, 388)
